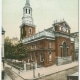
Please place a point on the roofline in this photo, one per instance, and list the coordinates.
(27, 25)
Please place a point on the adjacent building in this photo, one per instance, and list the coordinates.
(50, 46)
(76, 43)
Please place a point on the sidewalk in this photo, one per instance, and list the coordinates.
(43, 71)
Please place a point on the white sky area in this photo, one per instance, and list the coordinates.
(45, 12)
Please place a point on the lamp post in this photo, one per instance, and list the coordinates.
(34, 69)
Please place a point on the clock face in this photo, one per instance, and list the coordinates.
(64, 29)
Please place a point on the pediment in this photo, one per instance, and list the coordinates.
(62, 24)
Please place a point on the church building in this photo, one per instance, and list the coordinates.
(50, 46)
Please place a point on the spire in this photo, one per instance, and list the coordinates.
(27, 2)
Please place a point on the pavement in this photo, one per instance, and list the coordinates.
(43, 71)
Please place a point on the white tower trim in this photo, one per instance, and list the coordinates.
(27, 14)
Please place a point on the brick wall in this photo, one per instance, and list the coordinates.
(59, 41)
(42, 46)
(26, 31)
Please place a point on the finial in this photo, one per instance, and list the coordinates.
(63, 19)
(27, 2)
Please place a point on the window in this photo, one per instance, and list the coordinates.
(32, 56)
(29, 11)
(67, 30)
(50, 56)
(41, 57)
(60, 28)
(64, 49)
(26, 10)
(35, 46)
(30, 30)
(31, 46)
(50, 44)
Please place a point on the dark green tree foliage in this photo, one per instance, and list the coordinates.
(8, 48)
(21, 51)
(18, 51)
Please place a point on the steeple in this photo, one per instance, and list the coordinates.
(27, 28)
(27, 14)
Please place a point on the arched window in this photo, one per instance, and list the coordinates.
(30, 30)
(60, 28)
(50, 56)
(50, 45)
(29, 11)
(64, 49)
(41, 57)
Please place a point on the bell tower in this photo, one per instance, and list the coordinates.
(27, 14)
(27, 28)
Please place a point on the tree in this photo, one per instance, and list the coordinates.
(8, 48)
(21, 51)
(18, 51)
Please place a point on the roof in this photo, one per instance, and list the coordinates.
(27, 25)
(38, 36)
(61, 22)
(75, 34)
(49, 33)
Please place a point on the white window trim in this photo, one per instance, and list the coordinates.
(30, 31)
(50, 45)
(40, 58)
(31, 57)
(50, 56)
(60, 28)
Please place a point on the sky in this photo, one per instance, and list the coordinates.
(45, 12)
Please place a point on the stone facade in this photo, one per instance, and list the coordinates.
(51, 46)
